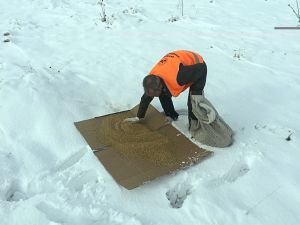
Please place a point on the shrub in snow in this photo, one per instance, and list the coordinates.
(173, 19)
(237, 54)
(103, 15)
(176, 18)
(297, 13)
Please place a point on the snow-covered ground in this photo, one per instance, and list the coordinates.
(62, 64)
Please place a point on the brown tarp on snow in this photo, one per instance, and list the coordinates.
(134, 153)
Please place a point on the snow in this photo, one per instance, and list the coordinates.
(62, 64)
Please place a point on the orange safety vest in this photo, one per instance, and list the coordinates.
(168, 67)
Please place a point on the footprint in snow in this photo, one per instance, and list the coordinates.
(57, 215)
(15, 192)
(238, 170)
(178, 195)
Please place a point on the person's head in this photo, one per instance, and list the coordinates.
(152, 85)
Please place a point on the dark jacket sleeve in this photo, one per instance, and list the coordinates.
(144, 103)
(168, 107)
(166, 102)
(195, 74)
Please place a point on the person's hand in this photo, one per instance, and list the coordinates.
(202, 110)
(172, 116)
(169, 119)
(132, 120)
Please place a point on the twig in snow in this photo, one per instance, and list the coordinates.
(181, 7)
(289, 137)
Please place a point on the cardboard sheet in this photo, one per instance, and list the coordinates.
(136, 153)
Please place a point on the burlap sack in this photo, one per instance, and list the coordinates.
(216, 133)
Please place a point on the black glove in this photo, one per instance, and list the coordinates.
(174, 115)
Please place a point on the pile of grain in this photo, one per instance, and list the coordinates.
(134, 140)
